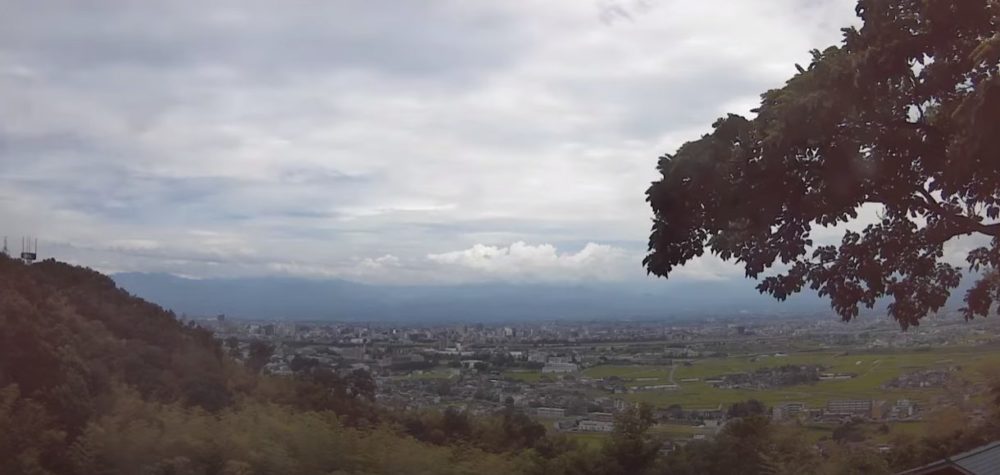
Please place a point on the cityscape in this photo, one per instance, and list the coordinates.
(574, 376)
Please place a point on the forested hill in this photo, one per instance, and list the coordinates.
(96, 381)
(68, 335)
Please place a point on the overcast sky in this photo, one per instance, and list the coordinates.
(396, 141)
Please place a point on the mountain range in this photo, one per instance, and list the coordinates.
(287, 298)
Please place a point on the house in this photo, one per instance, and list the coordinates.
(601, 416)
(550, 412)
(595, 426)
(978, 461)
(788, 410)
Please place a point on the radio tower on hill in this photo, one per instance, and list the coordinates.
(5, 252)
(29, 253)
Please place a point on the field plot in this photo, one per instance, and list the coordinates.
(631, 372)
(593, 440)
(528, 376)
(870, 371)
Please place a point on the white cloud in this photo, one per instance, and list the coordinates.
(229, 138)
(383, 262)
(522, 261)
(708, 268)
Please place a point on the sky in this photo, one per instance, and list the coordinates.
(380, 141)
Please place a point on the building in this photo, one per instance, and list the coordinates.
(560, 368)
(565, 424)
(588, 425)
(788, 410)
(350, 352)
(903, 408)
(537, 357)
(471, 364)
(601, 416)
(554, 412)
(849, 407)
(978, 461)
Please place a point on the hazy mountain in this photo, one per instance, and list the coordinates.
(294, 298)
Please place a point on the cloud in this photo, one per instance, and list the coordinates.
(522, 261)
(250, 137)
(387, 260)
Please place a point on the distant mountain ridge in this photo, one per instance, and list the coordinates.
(307, 299)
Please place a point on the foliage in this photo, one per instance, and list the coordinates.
(142, 437)
(28, 437)
(631, 449)
(904, 116)
(751, 407)
(849, 431)
(909, 451)
(259, 354)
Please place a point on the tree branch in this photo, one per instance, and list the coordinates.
(967, 223)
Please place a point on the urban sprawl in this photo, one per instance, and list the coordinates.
(817, 372)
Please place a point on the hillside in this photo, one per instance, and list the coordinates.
(94, 380)
(69, 336)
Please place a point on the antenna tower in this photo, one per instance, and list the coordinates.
(28, 252)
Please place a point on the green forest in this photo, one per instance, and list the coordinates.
(96, 381)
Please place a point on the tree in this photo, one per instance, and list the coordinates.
(301, 363)
(750, 407)
(259, 354)
(849, 431)
(904, 117)
(233, 345)
(748, 445)
(30, 443)
(630, 447)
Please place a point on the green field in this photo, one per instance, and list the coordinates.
(435, 373)
(593, 440)
(872, 370)
(526, 375)
(628, 372)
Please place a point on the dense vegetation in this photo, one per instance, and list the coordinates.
(95, 381)
(903, 116)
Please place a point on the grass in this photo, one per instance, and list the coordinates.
(679, 431)
(435, 373)
(593, 440)
(628, 372)
(872, 370)
(528, 376)
(815, 432)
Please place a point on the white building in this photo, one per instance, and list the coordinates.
(588, 425)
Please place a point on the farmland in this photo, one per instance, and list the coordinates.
(871, 371)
